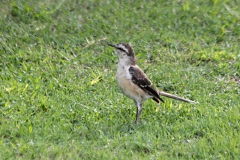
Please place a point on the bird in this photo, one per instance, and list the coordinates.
(134, 83)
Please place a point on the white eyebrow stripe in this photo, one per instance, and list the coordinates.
(123, 47)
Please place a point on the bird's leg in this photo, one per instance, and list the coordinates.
(139, 110)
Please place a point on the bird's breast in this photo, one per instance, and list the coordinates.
(131, 90)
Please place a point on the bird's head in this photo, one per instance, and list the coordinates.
(125, 53)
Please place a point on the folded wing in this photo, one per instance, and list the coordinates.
(140, 79)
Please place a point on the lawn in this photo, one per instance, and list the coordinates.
(58, 94)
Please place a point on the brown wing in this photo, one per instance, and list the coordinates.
(140, 79)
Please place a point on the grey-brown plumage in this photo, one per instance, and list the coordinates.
(140, 79)
(133, 82)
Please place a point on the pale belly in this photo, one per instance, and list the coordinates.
(130, 89)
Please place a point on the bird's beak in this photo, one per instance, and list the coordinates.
(112, 45)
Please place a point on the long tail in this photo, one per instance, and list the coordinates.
(161, 93)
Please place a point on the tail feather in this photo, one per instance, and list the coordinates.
(161, 93)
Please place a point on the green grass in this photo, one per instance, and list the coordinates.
(59, 98)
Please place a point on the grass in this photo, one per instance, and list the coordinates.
(58, 94)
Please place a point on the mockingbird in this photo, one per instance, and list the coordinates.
(134, 83)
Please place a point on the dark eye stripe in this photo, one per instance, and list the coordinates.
(121, 49)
